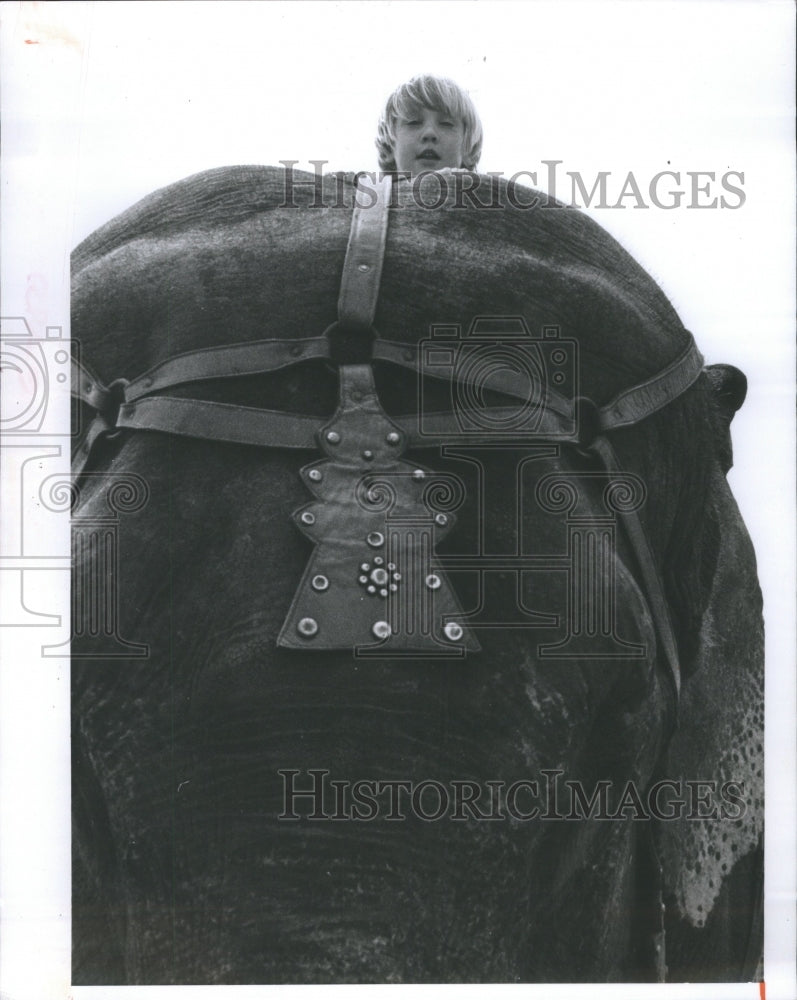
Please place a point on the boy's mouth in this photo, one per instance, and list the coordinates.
(428, 154)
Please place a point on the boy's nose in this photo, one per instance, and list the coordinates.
(429, 131)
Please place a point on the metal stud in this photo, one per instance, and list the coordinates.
(375, 539)
(441, 519)
(363, 267)
(453, 631)
(365, 567)
(371, 589)
(418, 474)
(368, 454)
(394, 587)
(316, 475)
(391, 566)
(307, 518)
(378, 560)
(381, 630)
(433, 581)
(308, 627)
(363, 579)
(320, 582)
(379, 577)
(333, 437)
(397, 576)
(383, 593)
(393, 437)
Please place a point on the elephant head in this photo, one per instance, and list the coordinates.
(219, 836)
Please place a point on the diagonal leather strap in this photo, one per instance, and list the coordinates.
(626, 409)
(254, 358)
(633, 405)
(365, 253)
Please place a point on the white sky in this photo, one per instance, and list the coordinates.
(104, 102)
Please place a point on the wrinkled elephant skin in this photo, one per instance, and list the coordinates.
(184, 871)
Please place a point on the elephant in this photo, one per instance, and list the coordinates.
(214, 769)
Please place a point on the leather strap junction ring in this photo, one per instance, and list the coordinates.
(136, 405)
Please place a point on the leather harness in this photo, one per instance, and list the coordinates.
(135, 405)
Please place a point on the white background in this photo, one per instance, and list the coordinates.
(102, 103)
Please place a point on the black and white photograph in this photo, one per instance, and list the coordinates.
(397, 577)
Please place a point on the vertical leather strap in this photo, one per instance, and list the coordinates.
(651, 577)
(362, 268)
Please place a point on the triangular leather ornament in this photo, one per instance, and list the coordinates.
(373, 584)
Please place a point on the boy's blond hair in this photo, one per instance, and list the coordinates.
(438, 94)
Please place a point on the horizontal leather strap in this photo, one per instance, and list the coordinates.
(276, 429)
(221, 422)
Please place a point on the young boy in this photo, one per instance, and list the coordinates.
(429, 123)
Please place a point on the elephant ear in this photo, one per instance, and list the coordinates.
(729, 388)
(712, 867)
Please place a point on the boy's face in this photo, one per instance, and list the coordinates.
(428, 140)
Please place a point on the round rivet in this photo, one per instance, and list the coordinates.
(307, 627)
(391, 566)
(363, 267)
(368, 454)
(363, 579)
(393, 437)
(418, 474)
(378, 560)
(441, 519)
(333, 437)
(315, 474)
(371, 589)
(379, 577)
(433, 581)
(383, 593)
(381, 630)
(393, 587)
(307, 518)
(375, 539)
(365, 567)
(320, 582)
(397, 576)
(453, 631)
